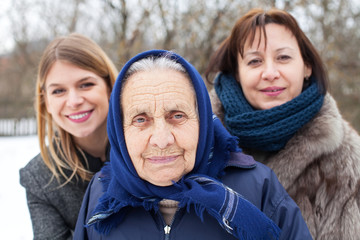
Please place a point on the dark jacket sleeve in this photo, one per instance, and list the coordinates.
(286, 214)
(261, 187)
(46, 220)
(92, 195)
(80, 229)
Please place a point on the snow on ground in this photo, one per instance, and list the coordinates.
(15, 219)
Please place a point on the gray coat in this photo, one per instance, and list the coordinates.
(53, 209)
(320, 169)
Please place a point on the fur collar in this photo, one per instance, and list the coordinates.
(321, 136)
(320, 168)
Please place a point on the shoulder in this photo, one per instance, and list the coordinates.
(253, 180)
(93, 192)
(326, 137)
(324, 133)
(256, 182)
(34, 164)
(95, 187)
(259, 185)
(37, 178)
(35, 172)
(243, 166)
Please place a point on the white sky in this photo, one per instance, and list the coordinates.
(6, 42)
(5, 38)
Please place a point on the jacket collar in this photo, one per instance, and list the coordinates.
(241, 160)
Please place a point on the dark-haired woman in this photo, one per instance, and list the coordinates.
(271, 92)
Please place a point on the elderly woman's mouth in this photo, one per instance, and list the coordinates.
(162, 159)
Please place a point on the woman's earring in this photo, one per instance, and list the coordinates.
(306, 78)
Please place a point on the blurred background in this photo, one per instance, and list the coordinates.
(123, 28)
(192, 28)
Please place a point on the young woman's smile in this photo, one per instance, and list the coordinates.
(77, 99)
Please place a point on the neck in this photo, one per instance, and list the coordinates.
(168, 209)
(94, 144)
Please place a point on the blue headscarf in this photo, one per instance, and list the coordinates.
(201, 188)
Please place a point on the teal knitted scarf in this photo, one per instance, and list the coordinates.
(265, 130)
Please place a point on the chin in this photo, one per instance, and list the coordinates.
(163, 183)
(82, 134)
(269, 106)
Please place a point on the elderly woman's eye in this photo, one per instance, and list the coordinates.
(139, 120)
(177, 117)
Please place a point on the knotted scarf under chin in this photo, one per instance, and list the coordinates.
(266, 130)
(234, 213)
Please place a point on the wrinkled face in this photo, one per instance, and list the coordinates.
(273, 75)
(161, 126)
(77, 99)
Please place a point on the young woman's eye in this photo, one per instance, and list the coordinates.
(57, 91)
(87, 85)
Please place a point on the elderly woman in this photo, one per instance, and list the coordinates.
(174, 171)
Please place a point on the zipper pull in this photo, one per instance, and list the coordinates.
(167, 229)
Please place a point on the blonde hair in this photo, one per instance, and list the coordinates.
(84, 53)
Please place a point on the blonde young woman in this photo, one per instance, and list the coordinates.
(75, 79)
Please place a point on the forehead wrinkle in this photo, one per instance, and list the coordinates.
(170, 92)
(155, 92)
(137, 108)
(179, 105)
(152, 101)
(150, 89)
(142, 82)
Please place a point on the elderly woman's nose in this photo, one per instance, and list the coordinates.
(162, 136)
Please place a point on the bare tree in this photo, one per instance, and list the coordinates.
(194, 29)
(335, 33)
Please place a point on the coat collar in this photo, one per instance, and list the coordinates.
(320, 137)
(241, 160)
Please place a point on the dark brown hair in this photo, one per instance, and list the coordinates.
(225, 58)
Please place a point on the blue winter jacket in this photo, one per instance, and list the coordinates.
(254, 181)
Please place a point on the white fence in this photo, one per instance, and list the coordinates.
(17, 127)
